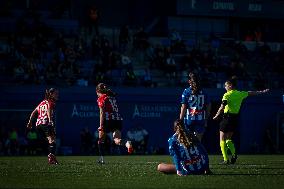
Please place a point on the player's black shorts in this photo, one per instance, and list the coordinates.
(112, 125)
(229, 122)
(46, 130)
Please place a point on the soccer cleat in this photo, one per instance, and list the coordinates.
(234, 159)
(101, 160)
(208, 172)
(52, 159)
(224, 162)
(129, 147)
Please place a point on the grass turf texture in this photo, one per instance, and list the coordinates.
(250, 171)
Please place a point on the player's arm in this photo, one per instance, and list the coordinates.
(253, 93)
(183, 109)
(102, 115)
(49, 113)
(33, 114)
(220, 110)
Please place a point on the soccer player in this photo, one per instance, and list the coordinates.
(45, 121)
(194, 110)
(189, 155)
(110, 119)
(229, 108)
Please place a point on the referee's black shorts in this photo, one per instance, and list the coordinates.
(229, 122)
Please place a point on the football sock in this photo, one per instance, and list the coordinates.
(224, 150)
(101, 148)
(231, 146)
(51, 148)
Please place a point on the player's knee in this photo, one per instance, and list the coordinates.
(160, 167)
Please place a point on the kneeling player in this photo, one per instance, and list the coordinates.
(189, 155)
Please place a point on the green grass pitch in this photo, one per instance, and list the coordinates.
(250, 171)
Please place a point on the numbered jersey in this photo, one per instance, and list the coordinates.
(195, 105)
(42, 110)
(109, 106)
(192, 160)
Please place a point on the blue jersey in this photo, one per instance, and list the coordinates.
(192, 160)
(195, 106)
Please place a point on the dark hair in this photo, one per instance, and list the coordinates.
(194, 82)
(49, 93)
(183, 137)
(104, 89)
(233, 81)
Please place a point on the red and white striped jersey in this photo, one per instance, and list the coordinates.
(42, 110)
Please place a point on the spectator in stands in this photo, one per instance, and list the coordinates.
(126, 62)
(176, 40)
(14, 146)
(93, 20)
(170, 67)
(19, 73)
(159, 58)
(32, 139)
(147, 79)
(96, 46)
(140, 39)
(124, 38)
(249, 36)
(86, 141)
(130, 78)
(258, 35)
(23, 145)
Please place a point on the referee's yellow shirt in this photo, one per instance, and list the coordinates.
(234, 99)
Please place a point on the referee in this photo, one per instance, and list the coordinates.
(230, 108)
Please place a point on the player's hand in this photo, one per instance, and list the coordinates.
(100, 128)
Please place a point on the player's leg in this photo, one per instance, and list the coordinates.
(51, 137)
(223, 147)
(167, 168)
(231, 147)
(101, 143)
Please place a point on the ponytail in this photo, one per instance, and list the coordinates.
(49, 93)
(183, 138)
(194, 83)
(104, 89)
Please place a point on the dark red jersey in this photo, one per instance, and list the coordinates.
(109, 106)
(42, 109)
